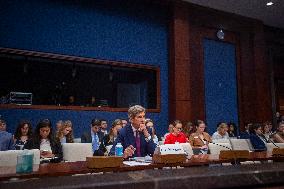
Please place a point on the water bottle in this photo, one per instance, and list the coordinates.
(25, 162)
(118, 149)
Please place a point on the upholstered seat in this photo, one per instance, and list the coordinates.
(221, 141)
(76, 151)
(187, 148)
(270, 146)
(241, 144)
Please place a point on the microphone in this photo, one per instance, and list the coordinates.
(264, 138)
(268, 139)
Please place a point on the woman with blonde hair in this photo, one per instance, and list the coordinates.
(221, 132)
(65, 133)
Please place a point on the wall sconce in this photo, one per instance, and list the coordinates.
(220, 34)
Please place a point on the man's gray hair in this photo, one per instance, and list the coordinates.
(135, 110)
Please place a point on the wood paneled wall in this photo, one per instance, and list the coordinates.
(190, 24)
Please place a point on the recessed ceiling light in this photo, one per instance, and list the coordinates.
(269, 3)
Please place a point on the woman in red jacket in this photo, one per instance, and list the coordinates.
(176, 135)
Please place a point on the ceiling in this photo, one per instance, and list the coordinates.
(257, 9)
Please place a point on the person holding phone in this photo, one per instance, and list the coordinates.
(45, 142)
(135, 138)
(200, 139)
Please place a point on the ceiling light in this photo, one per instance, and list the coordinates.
(269, 3)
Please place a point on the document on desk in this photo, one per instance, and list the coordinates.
(135, 163)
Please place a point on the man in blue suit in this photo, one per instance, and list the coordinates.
(6, 139)
(135, 138)
(94, 136)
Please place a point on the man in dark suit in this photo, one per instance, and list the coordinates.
(94, 136)
(135, 138)
(246, 133)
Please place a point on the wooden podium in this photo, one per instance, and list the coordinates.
(278, 152)
(104, 161)
(169, 158)
(234, 154)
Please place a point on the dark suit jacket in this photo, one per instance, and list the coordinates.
(257, 143)
(245, 135)
(55, 145)
(126, 138)
(87, 137)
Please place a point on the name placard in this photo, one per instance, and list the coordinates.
(171, 149)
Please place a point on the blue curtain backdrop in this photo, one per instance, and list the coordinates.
(220, 83)
(122, 30)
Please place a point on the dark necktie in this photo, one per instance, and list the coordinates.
(95, 143)
(137, 140)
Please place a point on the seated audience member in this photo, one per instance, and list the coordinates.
(3, 125)
(124, 122)
(22, 134)
(188, 129)
(150, 124)
(199, 139)
(103, 126)
(279, 135)
(281, 118)
(246, 133)
(221, 132)
(170, 130)
(111, 137)
(176, 135)
(59, 125)
(232, 129)
(267, 130)
(257, 138)
(135, 138)
(65, 134)
(6, 139)
(93, 136)
(278, 117)
(43, 140)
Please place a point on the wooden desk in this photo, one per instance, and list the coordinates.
(71, 168)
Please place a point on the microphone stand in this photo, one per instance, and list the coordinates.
(272, 140)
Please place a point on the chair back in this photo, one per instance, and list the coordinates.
(215, 148)
(9, 158)
(77, 140)
(76, 151)
(221, 140)
(241, 144)
(187, 148)
(270, 146)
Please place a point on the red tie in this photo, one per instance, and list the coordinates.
(137, 140)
